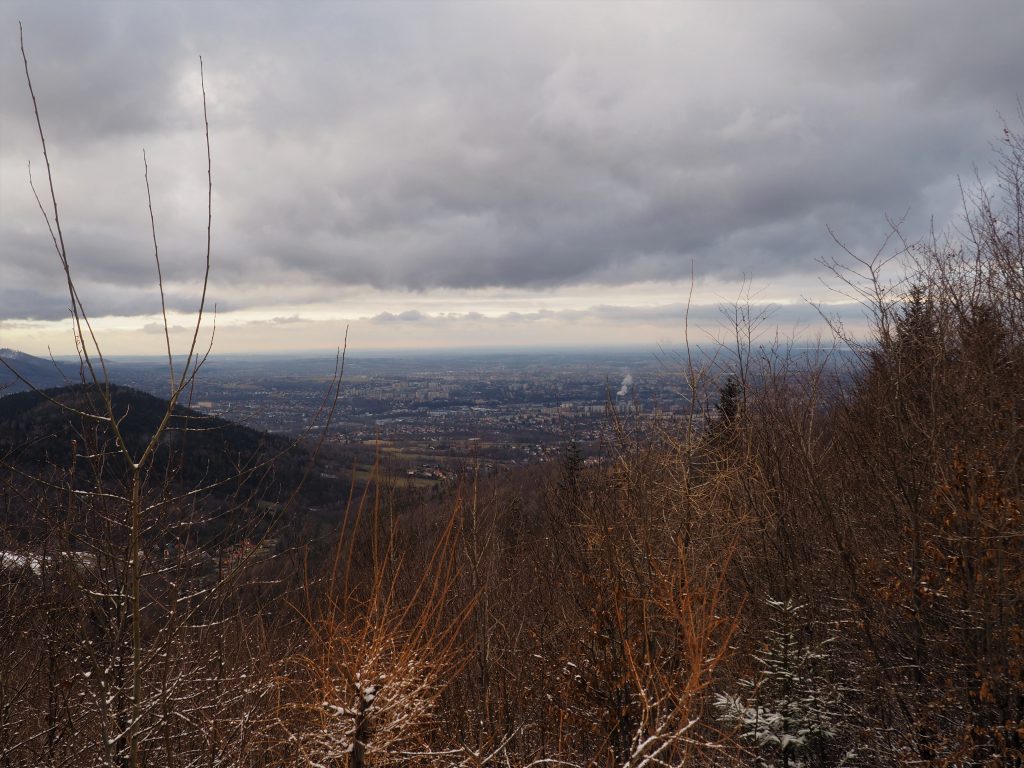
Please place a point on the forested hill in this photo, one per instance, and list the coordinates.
(41, 372)
(40, 430)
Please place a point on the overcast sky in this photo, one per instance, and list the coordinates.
(446, 174)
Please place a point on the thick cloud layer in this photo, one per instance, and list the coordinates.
(484, 146)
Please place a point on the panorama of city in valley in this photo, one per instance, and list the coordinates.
(511, 384)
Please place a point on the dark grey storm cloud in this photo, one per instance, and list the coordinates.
(414, 146)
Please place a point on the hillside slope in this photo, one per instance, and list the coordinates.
(41, 372)
(42, 432)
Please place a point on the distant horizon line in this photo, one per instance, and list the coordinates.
(382, 352)
(393, 351)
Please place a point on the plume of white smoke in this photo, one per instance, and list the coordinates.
(627, 382)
